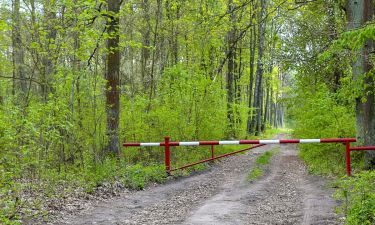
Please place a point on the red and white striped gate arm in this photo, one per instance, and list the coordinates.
(242, 142)
(256, 143)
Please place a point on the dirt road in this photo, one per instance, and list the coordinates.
(222, 195)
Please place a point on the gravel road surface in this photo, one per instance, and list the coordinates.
(286, 194)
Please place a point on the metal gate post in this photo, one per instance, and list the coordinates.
(167, 156)
(347, 158)
(212, 152)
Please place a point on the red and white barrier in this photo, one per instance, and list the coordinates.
(242, 142)
(256, 143)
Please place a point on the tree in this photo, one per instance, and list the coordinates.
(230, 68)
(358, 14)
(256, 124)
(18, 53)
(113, 77)
(253, 38)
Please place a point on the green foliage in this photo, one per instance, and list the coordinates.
(355, 39)
(358, 196)
(137, 176)
(188, 106)
(318, 114)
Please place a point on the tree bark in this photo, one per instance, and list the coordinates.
(253, 39)
(334, 80)
(145, 55)
(48, 63)
(358, 14)
(256, 124)
(18, 53)
(173, 38)
(230, 71)
(112, 76)
(158, 16)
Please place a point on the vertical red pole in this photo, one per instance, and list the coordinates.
(167, 156)
(347, 158)
(212, 152)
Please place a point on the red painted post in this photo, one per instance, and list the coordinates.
(212, 152)
(167, 156)
(347, 158)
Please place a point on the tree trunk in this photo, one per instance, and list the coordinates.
(112, 76)
(358, 13)
(267, 105)
(173, 38)
(155, 44)
(256, 124)
(18, 54)
(145, 55)
(48, 63)
(251, 83)
(238, 75)
(337, 71)
(230, 71)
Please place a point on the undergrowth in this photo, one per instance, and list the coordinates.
(358, 198)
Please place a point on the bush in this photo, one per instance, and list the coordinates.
(358, 195)
(319, 114)
(137, 176)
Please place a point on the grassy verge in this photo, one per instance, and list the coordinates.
(260, 163)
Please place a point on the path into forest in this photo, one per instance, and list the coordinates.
(222, 195)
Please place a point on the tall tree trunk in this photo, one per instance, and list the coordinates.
(237, 85)
(358, 13)
(145, 55)
(48, 63)
(18, 54)
(253, 39)
(272, 104)
(113, 77)
(256, 124)
(155, 44)
(230, 70)
(267, 105)
(337, 71)
(173, 38)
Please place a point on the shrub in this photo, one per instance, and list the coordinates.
(358, 196)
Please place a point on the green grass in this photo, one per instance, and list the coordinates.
(260, 163)
(264, 158)
(255, 174)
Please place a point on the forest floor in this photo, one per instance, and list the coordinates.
(285, 194)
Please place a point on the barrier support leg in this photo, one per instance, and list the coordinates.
(212, 152)
(347, 158)
(167, 156)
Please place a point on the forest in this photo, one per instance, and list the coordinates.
(79, 78)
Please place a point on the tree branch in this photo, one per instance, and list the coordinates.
(242, 33)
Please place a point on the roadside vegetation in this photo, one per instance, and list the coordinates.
(330, 96)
